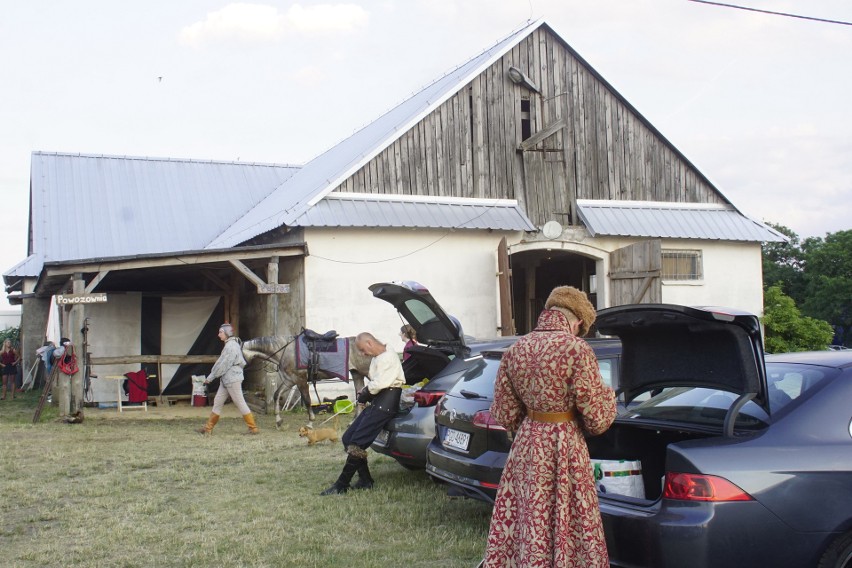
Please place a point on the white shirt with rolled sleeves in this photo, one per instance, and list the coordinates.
(385, 372)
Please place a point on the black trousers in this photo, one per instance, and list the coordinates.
(372, 419)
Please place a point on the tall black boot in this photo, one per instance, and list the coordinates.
(365, 480)
(342, 484)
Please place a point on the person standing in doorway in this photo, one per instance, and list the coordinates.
(383, 393)
(549, 392)
(9, 359)
(229, 370)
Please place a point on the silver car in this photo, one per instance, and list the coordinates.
(442, 357)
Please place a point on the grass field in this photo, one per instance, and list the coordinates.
(142, 492)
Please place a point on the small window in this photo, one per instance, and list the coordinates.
(526, 124)
(682, 265)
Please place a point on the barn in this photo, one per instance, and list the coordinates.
(517, 171)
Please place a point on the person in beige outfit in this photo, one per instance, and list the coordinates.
(229, 369)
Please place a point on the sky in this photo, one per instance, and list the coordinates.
(759, 103)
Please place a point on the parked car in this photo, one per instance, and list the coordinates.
(744, 461)
(443, 356)
(470, 448)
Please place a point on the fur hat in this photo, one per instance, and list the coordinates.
(577, 302)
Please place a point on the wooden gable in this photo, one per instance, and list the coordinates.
(561, 134)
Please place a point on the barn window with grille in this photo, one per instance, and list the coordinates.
(682, 265)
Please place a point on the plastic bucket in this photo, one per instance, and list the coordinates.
(343, 406)
(199, 400)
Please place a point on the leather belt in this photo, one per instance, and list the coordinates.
(552, 417)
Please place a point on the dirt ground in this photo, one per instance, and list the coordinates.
(180, 409)
(184, 408)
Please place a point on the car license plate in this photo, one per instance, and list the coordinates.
(456, 439)
(383, 437)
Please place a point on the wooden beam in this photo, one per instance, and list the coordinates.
(172, 359)
(642, 289)
(542, 134)
(174, 260)
(216, 280)
(634, 274)
(246, 271)
(95, 281)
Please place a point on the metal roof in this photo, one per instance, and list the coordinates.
(327, 171)
(673, 221)
(95, 206)
(373, 210)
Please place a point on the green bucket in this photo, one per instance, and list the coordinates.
(343, 406)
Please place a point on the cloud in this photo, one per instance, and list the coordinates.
(261, 23)
(309, 76)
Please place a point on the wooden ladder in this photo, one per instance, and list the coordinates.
(45, 393)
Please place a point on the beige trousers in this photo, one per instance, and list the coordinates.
(234, 391)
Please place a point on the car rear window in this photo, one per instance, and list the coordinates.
(788, 384)
(480, 379)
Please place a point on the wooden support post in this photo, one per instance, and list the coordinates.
(235, 303)
(272, 314)
(75, 333)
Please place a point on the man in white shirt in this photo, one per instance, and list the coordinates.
(382, 392)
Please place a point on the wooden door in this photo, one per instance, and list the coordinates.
(504, 284)
(634, 273)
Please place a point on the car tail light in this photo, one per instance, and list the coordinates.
(483, 419)
(427, 398)
(693, 487)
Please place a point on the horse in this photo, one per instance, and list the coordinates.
(281, 351)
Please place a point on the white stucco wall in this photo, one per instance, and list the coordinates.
(460, 272)
(733, 277)
(113, 331)
(459, 269)
(733, 274)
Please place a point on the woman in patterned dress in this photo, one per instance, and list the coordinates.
(549, 392)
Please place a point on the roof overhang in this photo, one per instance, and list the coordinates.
(342, 209)
(55, 275)
(653, 219)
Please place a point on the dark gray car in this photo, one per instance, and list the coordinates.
(744, 462)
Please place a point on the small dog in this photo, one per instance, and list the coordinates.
(317, 435)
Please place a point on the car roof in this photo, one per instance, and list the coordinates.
(600, 345)
(827, 358)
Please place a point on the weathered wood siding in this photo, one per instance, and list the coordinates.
(469, 146)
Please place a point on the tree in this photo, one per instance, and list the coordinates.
(783, 264)
(13, 333)
(786, 328)
(828, 281)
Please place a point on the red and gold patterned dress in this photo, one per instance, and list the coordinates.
(546, 513)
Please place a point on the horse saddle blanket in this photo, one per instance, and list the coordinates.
(331, 357)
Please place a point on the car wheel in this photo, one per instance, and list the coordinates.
(839, 554)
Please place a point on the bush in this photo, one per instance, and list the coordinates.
(786, 328)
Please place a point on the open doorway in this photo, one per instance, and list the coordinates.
(536, 272)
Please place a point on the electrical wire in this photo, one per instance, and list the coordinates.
(823, 20)
(415, 251)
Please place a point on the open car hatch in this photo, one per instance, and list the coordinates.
(666, 345)
(417, 306)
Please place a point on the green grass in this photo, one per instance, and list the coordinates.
(136, 492)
